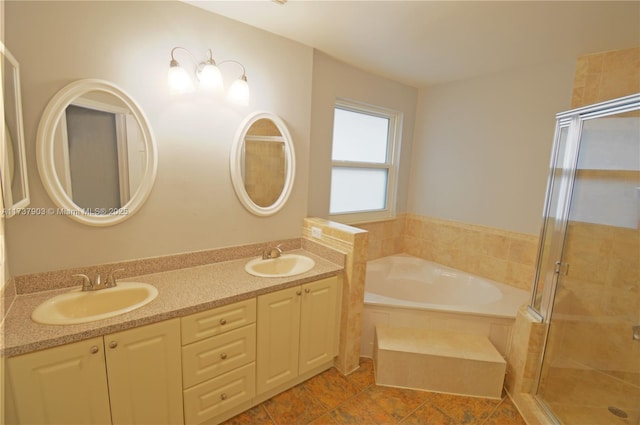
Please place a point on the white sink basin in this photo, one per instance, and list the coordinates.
(79, 306)
(285, 265)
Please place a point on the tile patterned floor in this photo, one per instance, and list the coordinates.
(334, 399)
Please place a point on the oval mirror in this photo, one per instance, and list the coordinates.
(96, 154)
(262, 163)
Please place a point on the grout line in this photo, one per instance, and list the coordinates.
(495, 409)
(413, 411)
(268, 413)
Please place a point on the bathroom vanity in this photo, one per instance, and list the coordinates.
(215, 342)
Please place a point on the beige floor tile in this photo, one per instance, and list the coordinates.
(333, 399)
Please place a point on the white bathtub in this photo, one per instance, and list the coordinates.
(405, 291)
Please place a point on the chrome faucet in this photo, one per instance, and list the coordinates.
(96, 284)
(270, 253)
(111, 279)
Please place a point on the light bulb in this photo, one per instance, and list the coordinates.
(239, 91)
(210, 78)
(179, 80)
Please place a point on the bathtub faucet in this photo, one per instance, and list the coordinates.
(270, 253)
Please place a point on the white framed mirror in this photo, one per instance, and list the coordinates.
(96, 153)
(15, 184)
(262, 163)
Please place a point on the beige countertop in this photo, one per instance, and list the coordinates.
(180, 292)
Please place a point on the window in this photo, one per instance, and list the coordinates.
(366, 143)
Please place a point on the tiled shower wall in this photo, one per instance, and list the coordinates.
(599, 77)
(496, 254)
(605, 76)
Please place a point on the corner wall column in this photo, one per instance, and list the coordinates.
(353, 243)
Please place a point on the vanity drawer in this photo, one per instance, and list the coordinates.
(218, 320)
(214, 397)
(214, 356)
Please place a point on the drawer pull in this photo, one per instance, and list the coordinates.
(223, 396)
(223, 321)
(298, 292)
(223, 356)
(307, 290)
(94, 349)
(113, 344)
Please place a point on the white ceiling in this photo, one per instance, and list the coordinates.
(422, 43)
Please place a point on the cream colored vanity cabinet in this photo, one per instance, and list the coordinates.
(62, 385)
(297, 332)
(218, 361)
(129, 377)
(143, 369)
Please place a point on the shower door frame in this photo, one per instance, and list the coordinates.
(573, 121)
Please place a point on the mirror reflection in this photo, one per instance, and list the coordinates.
(99, 152)
(96, 153)
(264, 162)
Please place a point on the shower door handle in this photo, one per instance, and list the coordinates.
(636, 332)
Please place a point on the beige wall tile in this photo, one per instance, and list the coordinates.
(606, 76)
(496, 254)
(353, 242)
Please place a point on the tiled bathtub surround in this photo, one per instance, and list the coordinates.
(496, 254)
(525, 354)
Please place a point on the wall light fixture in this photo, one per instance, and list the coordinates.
(209, 78)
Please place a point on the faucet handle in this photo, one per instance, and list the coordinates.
(111, 279)
(86, 282)
(275, 252)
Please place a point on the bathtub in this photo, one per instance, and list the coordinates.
(405, 291)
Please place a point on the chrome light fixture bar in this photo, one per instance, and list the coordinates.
(209, 78)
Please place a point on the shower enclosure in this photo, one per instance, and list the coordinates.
(587, 285)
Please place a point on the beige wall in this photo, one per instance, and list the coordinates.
(482, 147)
(192, 205)
(333, 79)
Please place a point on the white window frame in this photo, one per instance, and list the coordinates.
(394, 139)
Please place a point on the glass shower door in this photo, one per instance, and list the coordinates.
(591, 368)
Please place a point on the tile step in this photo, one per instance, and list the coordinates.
(440, 361)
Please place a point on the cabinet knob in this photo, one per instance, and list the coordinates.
(223, 321)
(113, 344)
(223, 396)
(307, 290)
(223, 356)
(94, 349)
(298, 292)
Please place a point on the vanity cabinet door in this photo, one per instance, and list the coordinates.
(297, 331)
(145, 374)
(62, 385)
(278, 338)
(318, 323)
